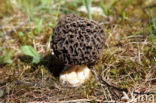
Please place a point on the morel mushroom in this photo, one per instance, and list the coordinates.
(77, 42)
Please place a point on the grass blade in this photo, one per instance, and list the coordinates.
(88, 4)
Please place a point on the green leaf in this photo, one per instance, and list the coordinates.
(20, 33)
(30, 51)
(7, 59)
(36, 59)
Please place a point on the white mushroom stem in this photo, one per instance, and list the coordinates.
(75, 76)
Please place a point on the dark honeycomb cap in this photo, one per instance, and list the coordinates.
(77, 41)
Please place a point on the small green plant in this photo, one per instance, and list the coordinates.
(39, 26)
(6, 59)
(30, 51)
(88, 4)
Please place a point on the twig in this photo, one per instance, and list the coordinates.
(79, 100)
(74, 101)
(104, 82)
(95, 73)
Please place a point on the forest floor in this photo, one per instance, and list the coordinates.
(126, 71)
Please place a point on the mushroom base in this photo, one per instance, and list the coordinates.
(75, 75)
